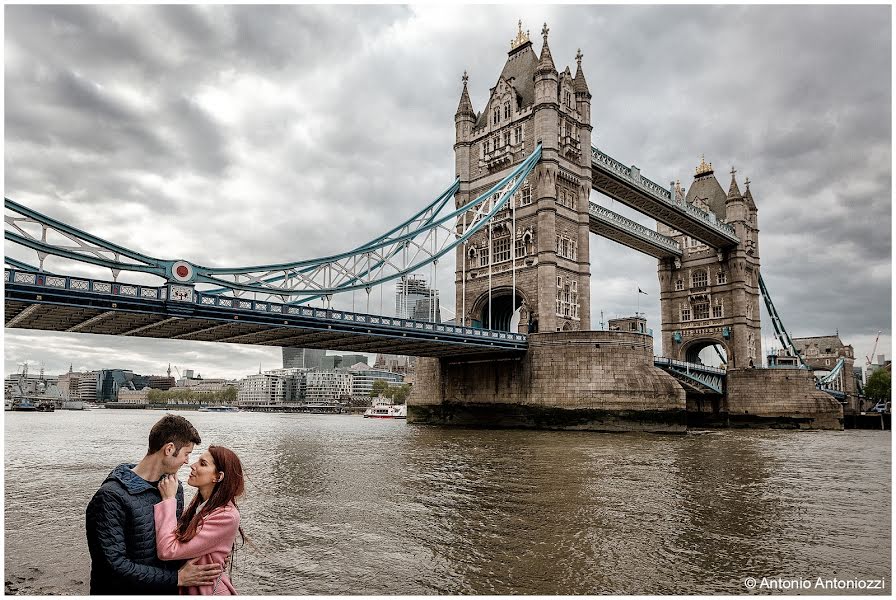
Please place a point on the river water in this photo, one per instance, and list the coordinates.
(344, 505)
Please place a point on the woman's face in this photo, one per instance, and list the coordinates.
(203, 472)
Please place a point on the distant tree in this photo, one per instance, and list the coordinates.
(879, 386)
(380, 388)
(155, 396)
(400, 393)
(230, 394)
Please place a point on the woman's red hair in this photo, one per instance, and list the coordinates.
(225, 491)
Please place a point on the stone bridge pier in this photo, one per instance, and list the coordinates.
(583, 380)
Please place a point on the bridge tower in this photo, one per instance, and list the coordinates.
(531, 103)
(711, 296)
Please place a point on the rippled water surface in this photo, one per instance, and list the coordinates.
(345, 505)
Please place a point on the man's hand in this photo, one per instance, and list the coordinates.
(193, 574)
(168, 486)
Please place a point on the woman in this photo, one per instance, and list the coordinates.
(207, 529)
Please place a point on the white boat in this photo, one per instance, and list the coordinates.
(386, 410)
(219, 409)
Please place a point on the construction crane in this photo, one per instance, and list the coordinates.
(873, 350)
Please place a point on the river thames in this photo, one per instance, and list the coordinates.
(344, 505)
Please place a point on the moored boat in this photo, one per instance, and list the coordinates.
(386, 410)
(219, 409)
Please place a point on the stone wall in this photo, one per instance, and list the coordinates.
(784, 398)
(592, 380)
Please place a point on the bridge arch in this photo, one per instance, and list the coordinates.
(690, 351)
(502, 307)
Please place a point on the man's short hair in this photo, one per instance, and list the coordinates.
(172, 428)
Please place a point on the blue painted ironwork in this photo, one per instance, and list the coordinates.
(699, 376)
(18, 264)
(422, 218)
(635, 229)
(416, 240)
(780, 332)
(607, 162)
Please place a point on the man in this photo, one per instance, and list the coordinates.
(121, 526)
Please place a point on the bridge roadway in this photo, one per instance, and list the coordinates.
(627, 185)
(35, 300)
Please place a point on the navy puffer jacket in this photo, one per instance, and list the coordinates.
(121, 537)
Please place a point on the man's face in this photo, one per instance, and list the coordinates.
(174, 458)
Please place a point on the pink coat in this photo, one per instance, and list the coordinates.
(211, 544)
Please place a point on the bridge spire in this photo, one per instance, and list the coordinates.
(465, 106)
(703, 168)
(521, 38)
(546, 62)
(748, 195)
(733, 190)
(579, 83)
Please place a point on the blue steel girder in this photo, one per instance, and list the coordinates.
(393, 255)
(627, 185)
(611, 225)
(700, 377)
(61, 303)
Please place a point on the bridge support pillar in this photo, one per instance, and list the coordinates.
(780, 398)
(586, 380)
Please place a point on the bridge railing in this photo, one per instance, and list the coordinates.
(604, 214)
(191, 297)
(660, 192)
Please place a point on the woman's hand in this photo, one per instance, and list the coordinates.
(168, 486)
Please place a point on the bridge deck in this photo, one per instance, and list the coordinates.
(56, 303)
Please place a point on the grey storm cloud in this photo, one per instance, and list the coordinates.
(242, 135)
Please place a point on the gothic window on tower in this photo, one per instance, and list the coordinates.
(483, 258)
(518, 132)
(507, 110)
(496, 116)
(568, 99)
(566, 248)
(701, 311)
(527, 195)
(567, 299)
(721, 278)
(698, 279)
(520, 248)
(679, 285)
(717, 312)
(495, 142)
(501, 249)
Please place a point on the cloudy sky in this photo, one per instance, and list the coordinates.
(251, 135)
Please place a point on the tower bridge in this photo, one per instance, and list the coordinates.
(521, 351)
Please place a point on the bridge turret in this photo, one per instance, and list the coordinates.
(547, 99)
(735, 209)
(583, 94)
(464, 120)
(465, 117)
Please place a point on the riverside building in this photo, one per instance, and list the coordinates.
(363, 378)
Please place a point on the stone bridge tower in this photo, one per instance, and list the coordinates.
(530, 103)
(712, 296)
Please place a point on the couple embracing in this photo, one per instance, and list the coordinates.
(141, 539)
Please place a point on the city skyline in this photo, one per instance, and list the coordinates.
(198, 133)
